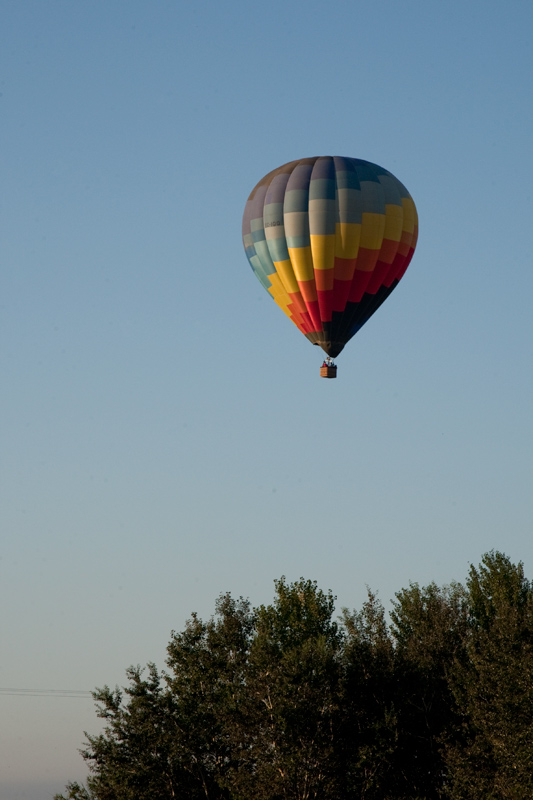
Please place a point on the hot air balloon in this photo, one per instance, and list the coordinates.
(329, 238)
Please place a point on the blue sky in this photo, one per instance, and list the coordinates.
(165, 434)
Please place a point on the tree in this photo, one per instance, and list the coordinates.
(137, 757)
(247, 709)
(288, 731)
(281, 702)
(429, 625)
(493, 758)
(369, 721)
(207, 679)
(166, 736)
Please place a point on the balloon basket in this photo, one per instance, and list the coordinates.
(328, 372)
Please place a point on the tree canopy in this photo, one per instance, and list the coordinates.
(290, 702)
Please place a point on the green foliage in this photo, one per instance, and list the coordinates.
(140, 754)
(429, 626)
(492, 756)
(208, 664)
(369, 722)
(291, 698)
(75, 792)
(284, 702)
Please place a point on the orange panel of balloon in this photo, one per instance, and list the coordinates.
(329, 238)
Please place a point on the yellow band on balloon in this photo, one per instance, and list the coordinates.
(323, 250)
(302, 263)
(279, 294)
(393, 222)
(347, 238)
(286, 274)
(372, 230)
(409, 214)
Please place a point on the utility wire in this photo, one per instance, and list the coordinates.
(45, 692)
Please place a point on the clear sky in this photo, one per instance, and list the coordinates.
(165, 433)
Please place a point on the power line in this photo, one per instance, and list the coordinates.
(9, 691)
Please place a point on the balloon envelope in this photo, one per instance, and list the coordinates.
(329, 238)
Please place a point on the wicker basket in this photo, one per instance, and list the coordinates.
(328, 372)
